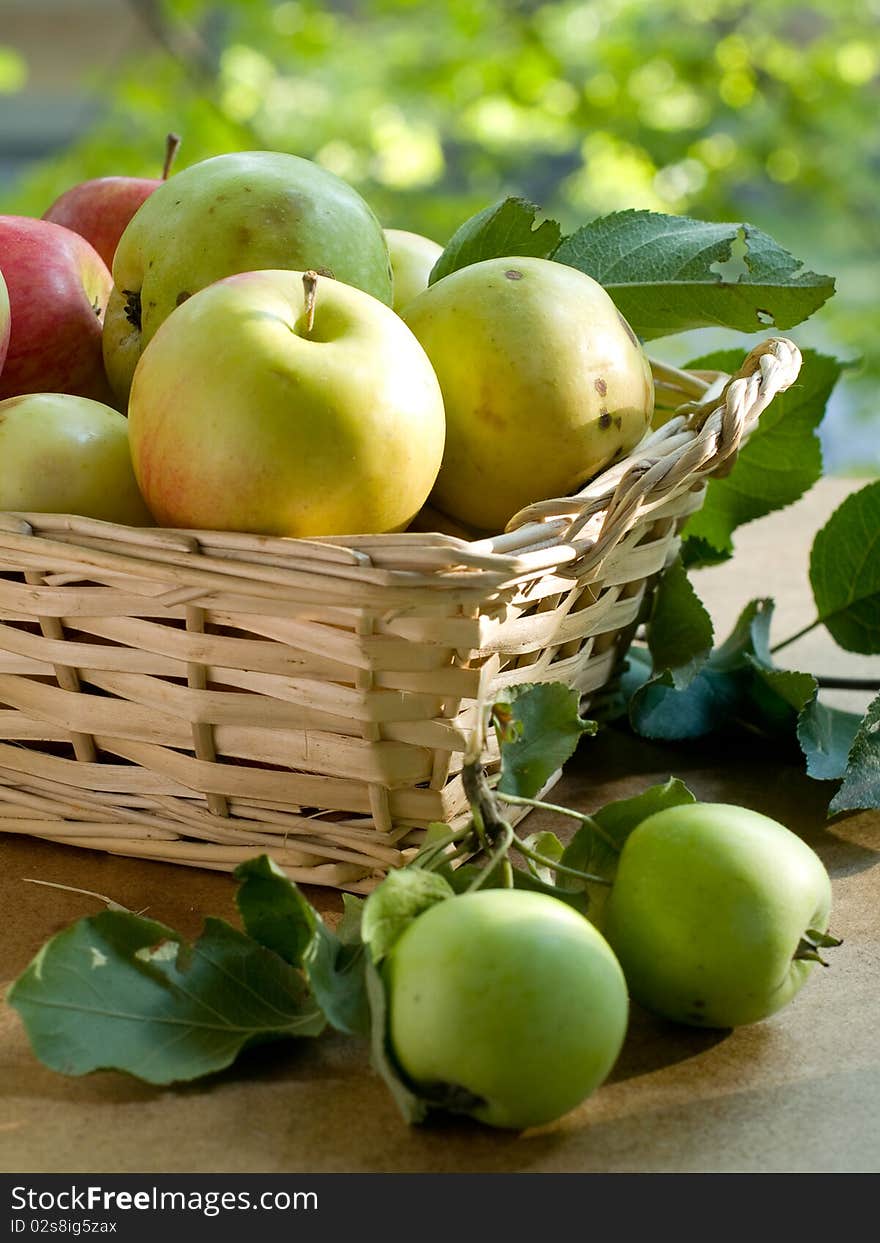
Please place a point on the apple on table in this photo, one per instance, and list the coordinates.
(717, 914)
(100, 210)
(58, 286)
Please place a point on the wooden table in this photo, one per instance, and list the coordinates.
(799, 1092)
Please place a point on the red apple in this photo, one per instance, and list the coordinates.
(100, 210)
(58, 290)
(4, 321)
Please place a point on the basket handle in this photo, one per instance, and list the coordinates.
(700, 440)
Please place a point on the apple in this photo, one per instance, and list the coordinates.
(62, 454)
(507, 1004)
(715, 913)
(100, 210)
(58, 288)
(5, 321)
(235, 213)
(412, 258)
(288, 404)
(543, 381)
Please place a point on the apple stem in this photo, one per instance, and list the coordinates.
(172, 146)
(310, 285)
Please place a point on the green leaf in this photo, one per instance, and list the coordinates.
(349, 927)
(717, 696)
(117, 992)
(825, 734)
(394, 904)
(662, 272)
(861, 781)
(739, 688)
(543, 732)
(336, 974)
(549, 847)
(597, 844)
(273, 910)
(696, 553)
(680, 631)
(276, 914)
(413, 1107)
(845, 572)
(506, 229)
(779, 462)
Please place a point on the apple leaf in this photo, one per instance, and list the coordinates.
(549, 847)
(680, 631)
(825, 734)
(597, 844)
(505, 229)
(781, 460)
(413, 1108)
(717, 697)
(348, 930)
(539, 727)
(394, 904)
(739, 688)
(845, 572)
(273, 909)
(861, 780)
(276, 914)
(118, 992)
(667, 273)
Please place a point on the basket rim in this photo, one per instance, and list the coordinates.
(701, 437)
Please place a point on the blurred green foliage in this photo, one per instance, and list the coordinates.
(765, 111)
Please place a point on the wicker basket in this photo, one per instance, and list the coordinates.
(202, 697)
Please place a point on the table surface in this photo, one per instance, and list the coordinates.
(798, 1092)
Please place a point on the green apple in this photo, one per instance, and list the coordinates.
(235, 213)
(714, 912)
(62, 454)
(543, 381)
(507, 1003)
(412, 258)
(244, 416)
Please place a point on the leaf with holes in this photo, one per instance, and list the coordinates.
(117, 992)
(845, 572)
(667, 273)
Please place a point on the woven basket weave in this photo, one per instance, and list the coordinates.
(201, 697)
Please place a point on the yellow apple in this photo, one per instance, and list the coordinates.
(543, 381)
(412, 258)
(62, 454)
(244, 416)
